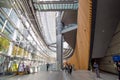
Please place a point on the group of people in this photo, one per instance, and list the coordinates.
(68, 68)
(24, 68)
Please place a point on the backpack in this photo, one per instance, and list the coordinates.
(116, 58)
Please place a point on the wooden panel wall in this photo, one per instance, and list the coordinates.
(80, 57)
(74, 60)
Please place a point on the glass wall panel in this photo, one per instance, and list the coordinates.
(14, 50)
(35, 5)
(14, 18)
(9, 30)
(25, 53)
(7, 10)
(2, 17)
(18, 38)
(71, 6)
(45, 6)
(20, 52)
(4, 45)
(2, 21)
(39, 7)
(1, 25)
(2, 58)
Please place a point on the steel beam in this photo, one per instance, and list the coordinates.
(72, 27)
(59, 42)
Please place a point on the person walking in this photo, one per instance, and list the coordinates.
(96, 68)
(118, 69)
(70, 69)
(47, 66)
(66, 67)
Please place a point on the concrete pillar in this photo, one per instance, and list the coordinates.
(59, 42)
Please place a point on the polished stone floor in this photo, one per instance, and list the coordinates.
(76, 75)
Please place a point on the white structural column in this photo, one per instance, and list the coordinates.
(59, 42)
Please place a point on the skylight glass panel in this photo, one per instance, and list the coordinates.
(76, 5)
(52, 7)
(35, 5)
(56, 5)
(59, 6)
(8, 31)
(7, 10)
(45, 6)
(49, 5)
(39, 7)
(48, 21)
(10, 27)
(62, 7)
(14, 18)
(71, 6)
(1, 25)
(66, 6)
(2, 18)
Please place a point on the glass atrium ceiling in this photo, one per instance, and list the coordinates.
(46, 11)
(17, 20)
(49, 26)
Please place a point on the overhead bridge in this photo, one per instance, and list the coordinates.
(55, 5)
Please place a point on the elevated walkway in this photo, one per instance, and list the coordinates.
(55, 75)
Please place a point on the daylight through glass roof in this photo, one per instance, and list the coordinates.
(46, 12)
(29, 34)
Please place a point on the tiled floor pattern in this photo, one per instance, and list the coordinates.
(76, 75)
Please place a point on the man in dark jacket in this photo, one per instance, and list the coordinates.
(96, 68)
(70, 68)
(47, 66)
